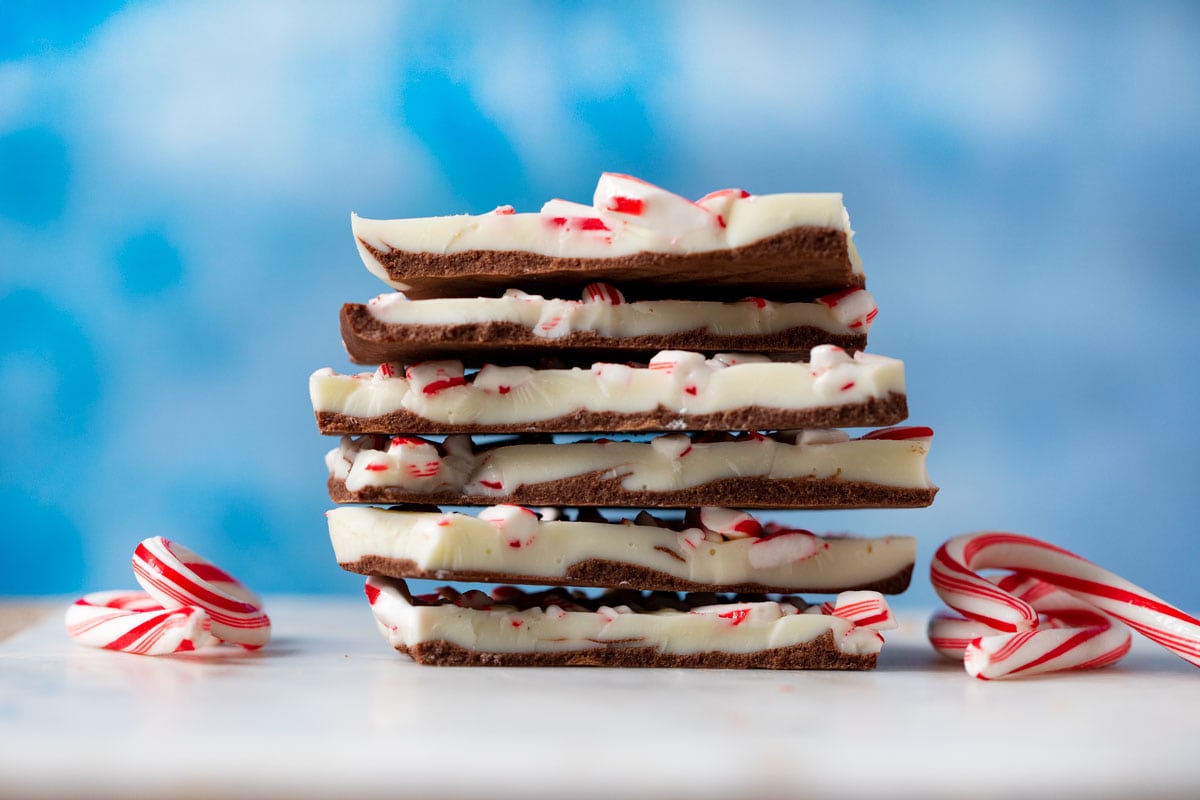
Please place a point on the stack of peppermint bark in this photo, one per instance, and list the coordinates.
(617, 447)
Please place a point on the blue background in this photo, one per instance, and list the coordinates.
(176, 181)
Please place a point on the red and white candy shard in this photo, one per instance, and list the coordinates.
(603, 293)
(788, 547)
(1053, 613)
(518, 525)
(134, 622)
(432, 377)
(177, 577)
(865, 609)
(854, 308)
(623, 195)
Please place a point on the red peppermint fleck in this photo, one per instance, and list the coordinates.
(736, 616)
(433, 387)
(721, 221)
(372, 593)
(377, 467)
(627, 205)
(750, 527)
(558, 222)
(757, 437)
(443, 523)
(491, 484)
(503, 210)
(593, 224)
(758, 301)
(514, 543)
(386, 371)
(690, 390)
(503, 389)
(900, 433)
(516, 623)
(833, 299)
(848, 386)
(400, 441)
(686, 450)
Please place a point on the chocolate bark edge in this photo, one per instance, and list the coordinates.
(603, 573)
(875, 412)
(370, 341)
(594, 489)
(798, 261)
(819, 653)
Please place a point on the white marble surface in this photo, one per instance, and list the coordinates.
(328, 710)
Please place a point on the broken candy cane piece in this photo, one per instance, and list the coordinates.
(954, 577)
(603, 293)
(854, 308)
(783, 548)
(502, 380)
(176, 577)
(866, 609)
(134, 622)
(432, 377)
(625, 195)
(517, 524)
(730, 522)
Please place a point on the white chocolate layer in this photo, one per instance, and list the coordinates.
(510, 540)
(728, 628)
(847, 313)
(675, 383)
(662, 464)
(627, 216)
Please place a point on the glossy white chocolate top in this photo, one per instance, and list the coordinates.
(892, 457)
(720, 547)
(627, 216)
(487, 624)
(674, 383)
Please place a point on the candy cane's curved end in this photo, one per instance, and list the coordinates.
(177, 576)
(954, 579)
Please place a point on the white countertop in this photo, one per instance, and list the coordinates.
(327, 709)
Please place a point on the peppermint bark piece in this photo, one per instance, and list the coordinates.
(808, 469)
(647, 238)
(711, 549)
(601, 326)
(510, 627)
(677, 390)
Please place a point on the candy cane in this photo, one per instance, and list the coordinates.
(134, 622)
(176, 577)
(1071, 637)
(1071, 634)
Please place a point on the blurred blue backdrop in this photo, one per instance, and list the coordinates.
(176, 181)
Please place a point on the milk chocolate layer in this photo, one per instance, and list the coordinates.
(820, 653)
(594, 489)
(370, 341)
(595, 572)
(871, 413)
(798, 263)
